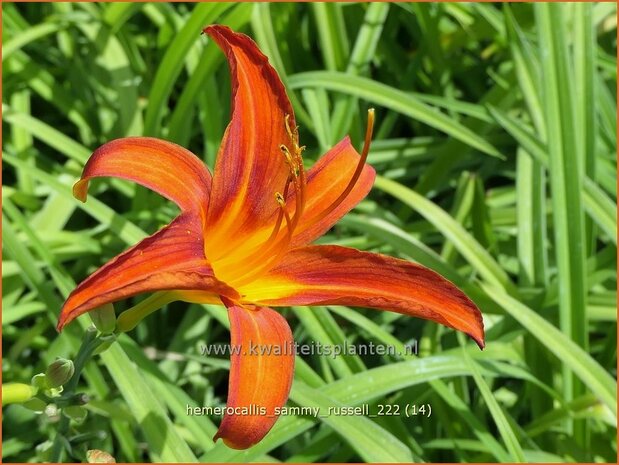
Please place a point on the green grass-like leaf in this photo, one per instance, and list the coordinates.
(494, 145)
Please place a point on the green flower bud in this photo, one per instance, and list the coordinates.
(16, 393)
(59, 372)
(104, 318)
(99, 456)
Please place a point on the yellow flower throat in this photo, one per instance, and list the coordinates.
(238, 273)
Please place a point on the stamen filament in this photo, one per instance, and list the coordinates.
(274, 247)
(290, 132)
(280, 216)
(299, 171)
(355, 177)
(299, 188)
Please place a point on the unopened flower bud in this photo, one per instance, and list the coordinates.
(59, 372)
(52, 412)
(104, 318)
(99, 456)
(16, 393)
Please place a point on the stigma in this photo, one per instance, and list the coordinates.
(356, 175)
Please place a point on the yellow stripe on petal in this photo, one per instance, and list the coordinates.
(250, 167)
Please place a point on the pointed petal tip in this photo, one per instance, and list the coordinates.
(260, 380)
(206, 29)
(477, 332)
(479, 340)
(159, 165)
(80, 190)
(217, 28)
(172, 259)
(237, 445)
(66, 316)
(336, 275)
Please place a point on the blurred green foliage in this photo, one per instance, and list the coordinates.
(496, 150)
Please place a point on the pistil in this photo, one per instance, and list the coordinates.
(355, 177)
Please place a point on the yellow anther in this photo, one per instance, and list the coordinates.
(292, 163)
(285, 151)
(288, 130)
(280, 199)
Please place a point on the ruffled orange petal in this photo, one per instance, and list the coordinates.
(261, 371)
(162, 166)
(171, 259)
(250, 166)
(333, 275)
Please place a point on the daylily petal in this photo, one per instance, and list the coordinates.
(261, 371)
(250, 166)
(334, 275)
(326, 180)
(162, 166)
(171, 259)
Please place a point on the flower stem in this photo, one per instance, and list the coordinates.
(89, 344)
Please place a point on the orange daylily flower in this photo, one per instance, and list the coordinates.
(242, 238)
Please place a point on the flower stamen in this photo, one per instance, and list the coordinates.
(355, 177)
(294, 169)
(295, 160)
(280, 216)
(272, 249)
